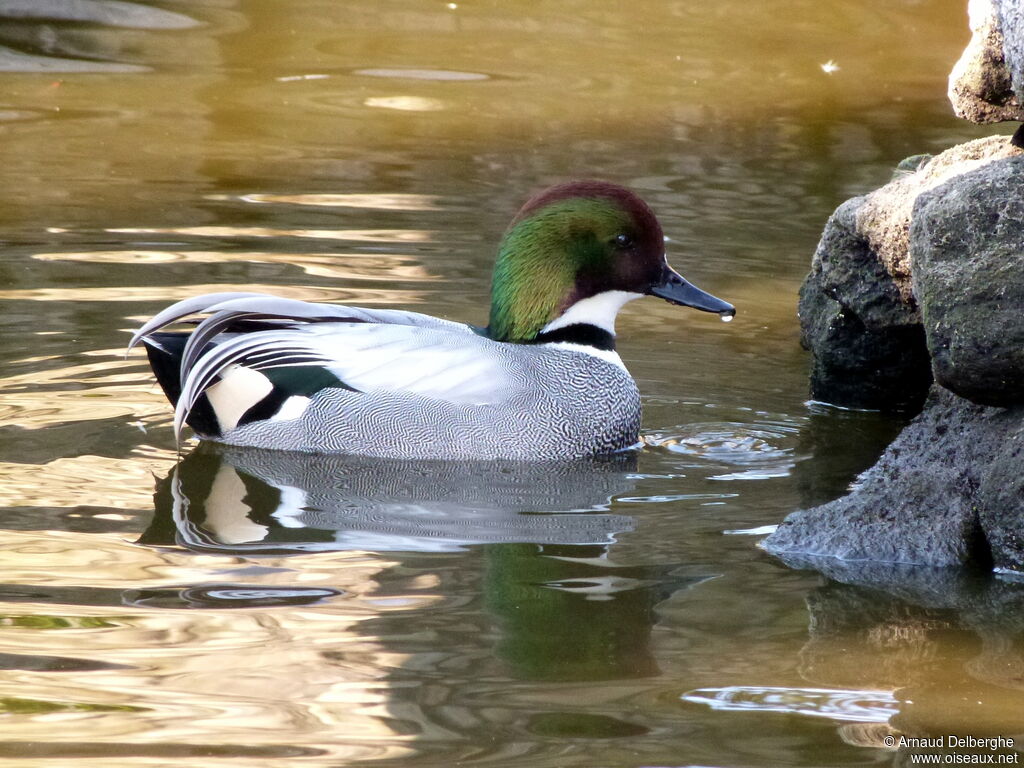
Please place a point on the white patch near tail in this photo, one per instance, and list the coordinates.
(227, 514)
(599, 310)
(292, 506)
(238, 390)
(292, 408)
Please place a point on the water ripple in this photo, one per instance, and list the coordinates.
(334, 265)
(759, 450)
(445, 75)
(349, 235)
(836, 704)
(227, 596)
(393, 201)
(16, 61)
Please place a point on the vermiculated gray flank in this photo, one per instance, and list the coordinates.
(567, 404)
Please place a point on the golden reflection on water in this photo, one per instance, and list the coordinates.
(159, 676)
(171, 294)
(383, 202)
(147, 152)
(337, 266)
(96, 481)
(406, 103)
(58, 395)
(290, 92)
(352, 235)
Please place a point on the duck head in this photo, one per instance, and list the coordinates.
(574, 254)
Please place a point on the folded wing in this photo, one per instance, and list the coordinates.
(264, 347)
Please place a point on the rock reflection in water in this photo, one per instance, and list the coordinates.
(895, 651)
(839, 444)
(949, 644)
(230, 499)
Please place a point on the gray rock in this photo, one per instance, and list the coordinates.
(858, 313)
(985, 85)
(1001, 497)
(867, 342)
(930, 500)
(1010, 17)
(967, 244)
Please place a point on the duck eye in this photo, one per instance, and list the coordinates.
(623, 241)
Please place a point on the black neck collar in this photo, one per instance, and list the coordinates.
(584, 334)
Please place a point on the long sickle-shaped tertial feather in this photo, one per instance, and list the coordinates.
(267, 309)
(274, 307)
(186, 307)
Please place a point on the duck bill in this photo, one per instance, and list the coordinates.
(674, 288)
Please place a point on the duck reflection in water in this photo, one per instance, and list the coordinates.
(563, 608)
(236, 499)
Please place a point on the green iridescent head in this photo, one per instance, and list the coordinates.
(574, 241)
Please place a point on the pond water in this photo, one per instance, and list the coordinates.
(246, 608)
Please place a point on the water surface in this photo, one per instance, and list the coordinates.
(243, 609)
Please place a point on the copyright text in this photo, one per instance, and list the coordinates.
(976, 756)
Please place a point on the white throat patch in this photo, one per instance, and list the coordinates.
(599, 310)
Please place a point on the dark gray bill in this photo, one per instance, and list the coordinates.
(673, 287)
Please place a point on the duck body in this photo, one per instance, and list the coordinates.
(391, 384)
(541, 382)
